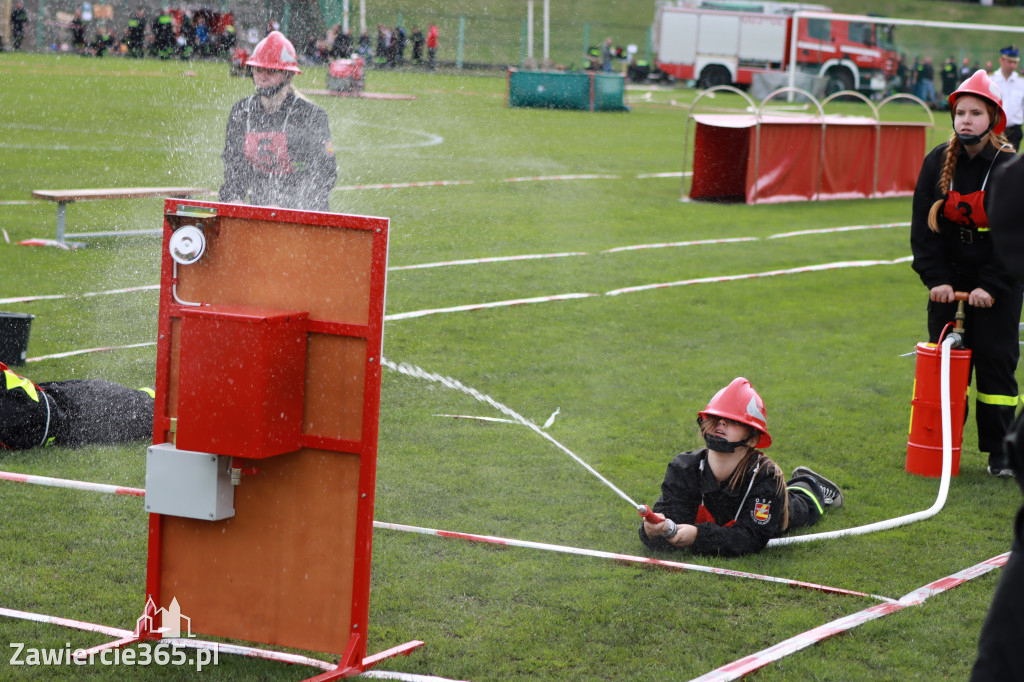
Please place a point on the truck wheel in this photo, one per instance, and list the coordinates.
(838, 79)
(713, 75)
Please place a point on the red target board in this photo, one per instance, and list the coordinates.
(261, 480)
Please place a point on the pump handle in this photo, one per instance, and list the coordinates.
(650, 515)
(961, 295)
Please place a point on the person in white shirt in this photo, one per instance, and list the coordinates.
(1011, 86)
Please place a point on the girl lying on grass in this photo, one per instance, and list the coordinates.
(729, 498)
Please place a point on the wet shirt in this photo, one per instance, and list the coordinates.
(758, 520)
(281, 159)
(71, 413)
(959, 256)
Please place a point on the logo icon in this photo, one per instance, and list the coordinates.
(170, 620)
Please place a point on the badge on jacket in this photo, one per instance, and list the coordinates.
(762, 512)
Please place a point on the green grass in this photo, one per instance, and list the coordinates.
(627, 372)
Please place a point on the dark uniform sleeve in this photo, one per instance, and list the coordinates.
(927, 246)
(749, 534)
(994, 277)
(318, 171)
(236, 167)
(680, 497)
(1006, 215)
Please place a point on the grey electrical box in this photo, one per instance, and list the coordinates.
(196, 485)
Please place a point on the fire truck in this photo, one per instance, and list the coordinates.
(723, 42)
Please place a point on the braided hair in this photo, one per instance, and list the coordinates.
(945, 184)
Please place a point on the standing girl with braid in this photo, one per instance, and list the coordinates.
(949, 237)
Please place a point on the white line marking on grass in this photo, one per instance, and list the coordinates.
(50, 297)
(755, 275)
(829, 230)
(482, 306)
(493, 259)
(530, 178)
(696, 242)
(747, 665)
(482, 419)
(674, 174)
(88, 350)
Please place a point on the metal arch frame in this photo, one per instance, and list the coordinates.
(759, 111)
(757, 132)
(689, 120)
(878, 130)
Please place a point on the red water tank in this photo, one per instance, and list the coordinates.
(924, 446)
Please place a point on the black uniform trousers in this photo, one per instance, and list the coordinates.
(803, 511)
(992, 335)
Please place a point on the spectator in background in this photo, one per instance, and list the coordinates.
(1011, 86)
(965, 70)
(103, 41)
(606, 56)
(950, 77)
(227, 40)
(78, 32)
(19, 17)
(417, 45)
(135, 37)
(400, 42)
(341, 48)
(364, 46)
(202, 37)
(926, 81)
(163, 34)
(902, 75)
(432, 45)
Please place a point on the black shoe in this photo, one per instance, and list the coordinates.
(997, 466)
(833, 495)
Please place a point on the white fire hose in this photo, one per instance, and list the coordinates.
(947, 466)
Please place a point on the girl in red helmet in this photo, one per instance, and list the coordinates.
(949, 236)
(728, 497)
(278, 149)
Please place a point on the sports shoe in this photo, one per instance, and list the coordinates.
(833, 495)
(997, 466)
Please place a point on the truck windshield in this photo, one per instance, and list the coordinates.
(886, 36)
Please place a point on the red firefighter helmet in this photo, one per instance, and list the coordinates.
(980, 85)
(740, 402)
(274, 52)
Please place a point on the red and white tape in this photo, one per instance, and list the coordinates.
(623, 558)
(745, 666)
(67, 483)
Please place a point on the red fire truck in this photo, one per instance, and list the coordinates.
(726, 42)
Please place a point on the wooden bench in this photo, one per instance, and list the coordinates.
(63, 197)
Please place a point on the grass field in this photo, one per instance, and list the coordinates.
(627, 372)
